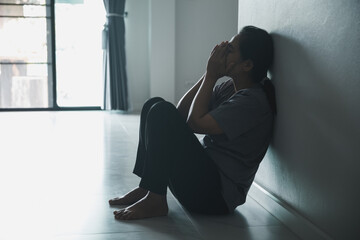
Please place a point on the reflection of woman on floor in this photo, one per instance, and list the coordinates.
(212, 176)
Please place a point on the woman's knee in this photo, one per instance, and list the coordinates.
(162, 110)
(150, 102)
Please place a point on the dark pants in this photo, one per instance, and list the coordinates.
(169, 154)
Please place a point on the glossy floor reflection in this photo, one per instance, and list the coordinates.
(58, 169)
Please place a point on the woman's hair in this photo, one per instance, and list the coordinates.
(257, 45)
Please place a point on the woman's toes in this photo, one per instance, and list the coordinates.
(127, 216)
(119, 214)
(124, 216)
(113, 200)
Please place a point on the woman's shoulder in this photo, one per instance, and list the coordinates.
(256, 96)
(226, 85)
(222, 92)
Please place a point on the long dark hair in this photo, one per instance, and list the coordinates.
(257, 45)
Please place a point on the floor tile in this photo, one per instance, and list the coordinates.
(141, 235)
(213, 231)
(248, 215)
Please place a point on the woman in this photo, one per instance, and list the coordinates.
(212, 176)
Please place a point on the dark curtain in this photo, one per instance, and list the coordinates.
(115, 78)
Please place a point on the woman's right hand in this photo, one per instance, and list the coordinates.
(216, 66)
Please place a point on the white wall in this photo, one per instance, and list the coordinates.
(200, 25)
(168, 44)
(313, 163)
(162, 49)
(137, 51)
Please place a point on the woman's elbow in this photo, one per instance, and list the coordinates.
(194, 126)
(189, 123)
(204, 125)
(182, 112)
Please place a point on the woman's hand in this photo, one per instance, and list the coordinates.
(216, 66)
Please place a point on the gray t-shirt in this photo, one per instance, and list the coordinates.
(246, 120)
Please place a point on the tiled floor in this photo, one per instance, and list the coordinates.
(58, 169)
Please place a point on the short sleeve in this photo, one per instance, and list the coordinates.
(238, 115)
(214, 96)
(221, 93)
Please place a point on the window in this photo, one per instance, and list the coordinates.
(51, 53)
(25, 56)
(79, 56)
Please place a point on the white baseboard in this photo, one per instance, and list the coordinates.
(299, 225)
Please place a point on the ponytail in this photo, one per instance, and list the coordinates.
(270, 93)
(257, 45)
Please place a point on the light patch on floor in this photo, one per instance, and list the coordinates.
(58, 169)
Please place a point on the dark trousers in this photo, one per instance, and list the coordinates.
(170, 155)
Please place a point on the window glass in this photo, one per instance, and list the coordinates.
(79, 56)
(24, 55)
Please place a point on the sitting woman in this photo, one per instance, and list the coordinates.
(211, 176)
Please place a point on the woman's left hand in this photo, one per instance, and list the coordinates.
(216, 66)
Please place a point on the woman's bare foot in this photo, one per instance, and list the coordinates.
(152, 205)
(131, 197)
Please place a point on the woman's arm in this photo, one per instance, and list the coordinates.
(185, 102)
(199, 118)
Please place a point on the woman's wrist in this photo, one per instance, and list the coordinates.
(210, 77)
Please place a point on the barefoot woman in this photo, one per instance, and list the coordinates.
(211, 176)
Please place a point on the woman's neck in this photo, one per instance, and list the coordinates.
(242, 83)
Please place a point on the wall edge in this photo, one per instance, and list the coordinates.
(295, 222)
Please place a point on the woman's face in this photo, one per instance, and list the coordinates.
(233, 57)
